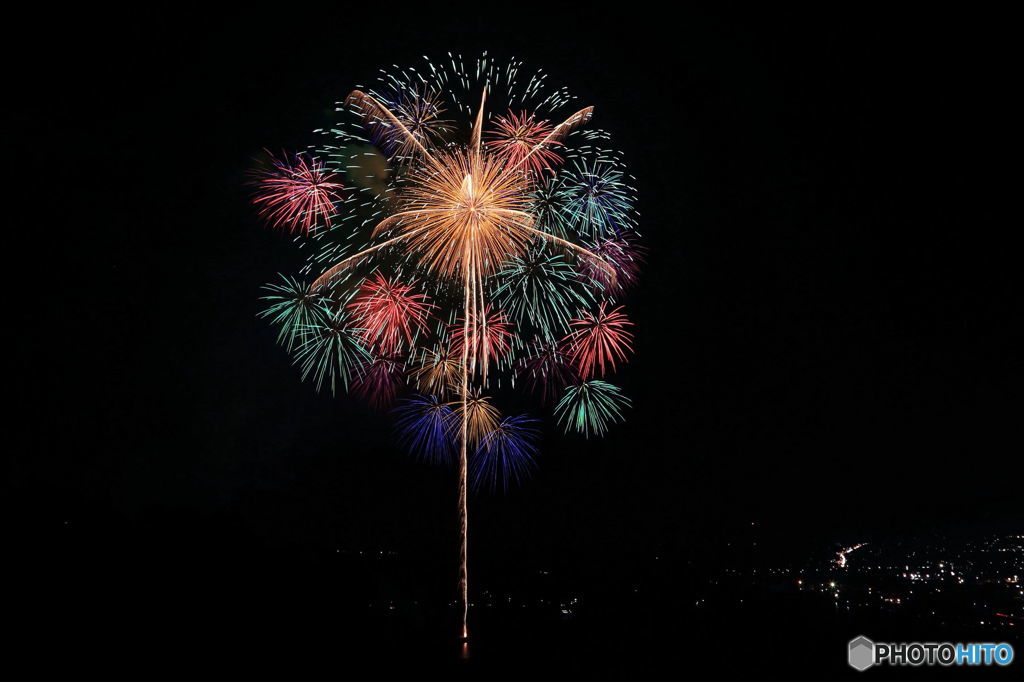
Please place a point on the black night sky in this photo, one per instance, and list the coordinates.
(824, 326)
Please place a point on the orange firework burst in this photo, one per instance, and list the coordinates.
(464, 213)
(438, 371)
(478, 415)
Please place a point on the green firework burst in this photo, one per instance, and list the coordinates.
(590, 408)
(332, 350)
(541, 288)
(292, 309)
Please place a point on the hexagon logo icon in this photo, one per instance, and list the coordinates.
(861, 653)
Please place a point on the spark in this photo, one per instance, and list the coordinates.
(489, 337)
(417, 107)
(623, 255)
(380, 380)
(438, 371)
(478, 415)
(596, 198)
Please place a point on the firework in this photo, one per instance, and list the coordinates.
(332, 350)
(590, 408)
(293, 309)
(598, 340)
(296, 194)
(457, 263)
(549, 210)
(516, 136)
(438, 371)
(477, 417)
(390, 313)
(425, 426)
(506, 454)
(596, 198)
(541, 289)
(416, 108)
(488, 335)
(547, 370)
(625, 258)
(380, 380)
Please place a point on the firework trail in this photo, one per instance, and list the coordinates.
(465, 236)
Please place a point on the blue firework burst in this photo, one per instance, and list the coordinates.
(425, 426)
(506, 454)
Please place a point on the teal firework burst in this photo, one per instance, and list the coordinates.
(590, 408)
(331, 351)
(542, 289)
(549, 210)
(596, 198)
(293, 309)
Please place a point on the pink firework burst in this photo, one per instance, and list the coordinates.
(390, 313)
(623, 255)
(598, 341)
(547, 370)
(492, 335)
(517, 135)
(296, 194)
(380, 381)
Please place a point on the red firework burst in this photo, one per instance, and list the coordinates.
(493, 334)
(598, 340)
(517, 135)
(389, 312)
(294, 195)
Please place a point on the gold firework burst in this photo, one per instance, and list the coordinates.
(478, 415)
(438, 372)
